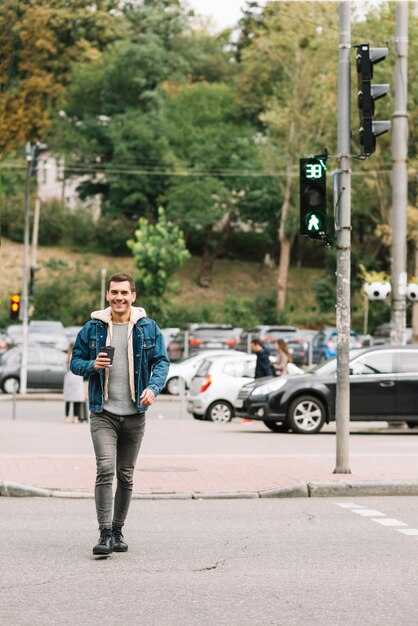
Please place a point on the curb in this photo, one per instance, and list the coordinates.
(315, 489)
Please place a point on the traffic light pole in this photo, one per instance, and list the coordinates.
(25, 290)
(399, 177)
(343, 243)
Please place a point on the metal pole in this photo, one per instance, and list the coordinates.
(415, 304)
(25, 308)
(399, 177)
(103, 287)
(343, 236)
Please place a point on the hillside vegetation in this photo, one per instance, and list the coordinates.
(241, 279)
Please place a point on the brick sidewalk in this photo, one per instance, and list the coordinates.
(201, 474)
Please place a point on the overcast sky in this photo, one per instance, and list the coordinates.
(224, 13)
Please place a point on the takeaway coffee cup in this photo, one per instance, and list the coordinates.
(110, 351)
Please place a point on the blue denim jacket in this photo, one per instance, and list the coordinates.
(150, 359)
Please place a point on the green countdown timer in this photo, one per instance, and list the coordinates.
(315, 170)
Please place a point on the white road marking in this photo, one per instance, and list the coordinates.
(379, 518)
(389, 522)
(349, 505)
(368, 512)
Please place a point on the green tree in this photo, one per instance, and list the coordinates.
(214, 150)
(159, 252)
(289, 73)
(40, 41)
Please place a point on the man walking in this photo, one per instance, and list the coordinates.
(120, 391)
(263, 366)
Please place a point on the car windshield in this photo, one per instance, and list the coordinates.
(280, 333)
(330, 366)
(209, 333)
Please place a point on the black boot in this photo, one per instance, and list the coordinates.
(119, 545)
(105, 545)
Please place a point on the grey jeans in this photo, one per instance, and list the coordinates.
(116, 442)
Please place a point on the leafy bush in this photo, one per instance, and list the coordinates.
(325, 294)
(70, 297)
(54, 223)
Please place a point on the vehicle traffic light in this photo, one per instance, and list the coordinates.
(367, 93)
(15, 299)
(313, 197)
(33, 152)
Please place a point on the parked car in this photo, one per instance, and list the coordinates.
(297, 340)
(48, 334)
(324, 344)
(181, 373)
(4, 343)
(72, 332)
(169, 334)
(202, 337)
(381, 335)
(383, 386)
(46, 368)
(216, 384)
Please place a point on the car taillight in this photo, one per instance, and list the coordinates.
(230, 342)
(206, 383)
(330, 344)
(269, 340)
(195, 342)
(357, 344)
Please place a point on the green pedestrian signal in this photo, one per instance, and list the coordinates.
(313, 200)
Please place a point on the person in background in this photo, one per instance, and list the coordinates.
(120, 393)
(263, 366)
(74, 394)
(283, 357)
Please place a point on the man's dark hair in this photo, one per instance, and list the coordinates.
(257, 342)
(120, 278)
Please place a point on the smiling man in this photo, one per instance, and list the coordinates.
(120, 391)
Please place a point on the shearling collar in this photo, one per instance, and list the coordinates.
(105, 315)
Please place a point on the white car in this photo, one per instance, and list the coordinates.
(181, 374)
(217, 383)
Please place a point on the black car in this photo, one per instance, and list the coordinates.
(383, 386)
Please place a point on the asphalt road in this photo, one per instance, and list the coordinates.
(292, 562)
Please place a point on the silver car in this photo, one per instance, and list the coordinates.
(46, 368)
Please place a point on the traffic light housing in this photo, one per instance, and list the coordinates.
(367, 93)
(313, 197)
(15, 300)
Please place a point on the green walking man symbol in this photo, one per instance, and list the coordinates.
(313, 223)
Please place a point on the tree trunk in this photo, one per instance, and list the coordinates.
(283, 272)
(209, 256)
(284, 240)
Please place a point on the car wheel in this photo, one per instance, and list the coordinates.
(306, 415)
(220, 412)
(173, 386)
(10, 385)
(412, 424)
(277, 427)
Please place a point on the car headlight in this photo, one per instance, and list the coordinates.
(273, 385)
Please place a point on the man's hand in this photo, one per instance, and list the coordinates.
(102, 361)
(147, 397)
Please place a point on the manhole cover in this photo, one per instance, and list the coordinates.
(167, 469)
